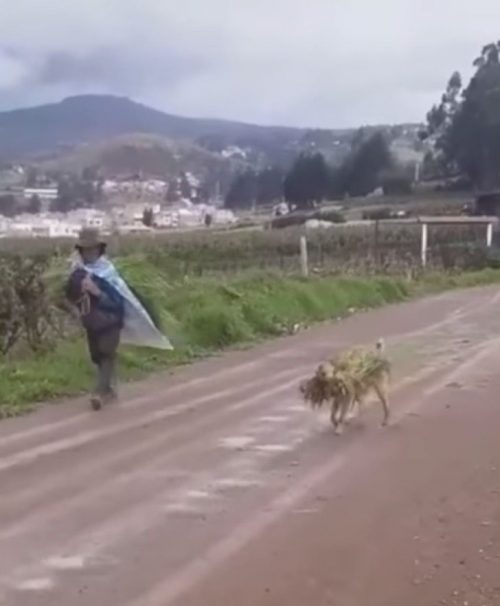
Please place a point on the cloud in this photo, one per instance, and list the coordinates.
(321, 63)
(12, 70)
(116, 68)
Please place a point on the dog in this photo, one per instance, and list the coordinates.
(345, 382)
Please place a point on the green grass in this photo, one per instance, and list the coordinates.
(206, 315)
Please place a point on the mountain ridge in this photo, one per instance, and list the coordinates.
(119, 135)
(88, 118)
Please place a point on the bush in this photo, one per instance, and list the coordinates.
(27, 313)
(397, 185)
(332, 215)
(298, 218)
(377, 214)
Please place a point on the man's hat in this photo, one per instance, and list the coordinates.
(90, 238)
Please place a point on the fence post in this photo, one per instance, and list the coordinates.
(377, 255)
(489, 235)
(304, 265)
(425, 240)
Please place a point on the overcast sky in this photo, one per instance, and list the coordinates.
(330, 63)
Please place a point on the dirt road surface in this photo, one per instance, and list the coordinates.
(216, 487)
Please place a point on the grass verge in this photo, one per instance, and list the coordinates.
(208, 315)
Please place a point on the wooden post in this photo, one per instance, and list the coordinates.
(304, 265)
(417, 172)
(377, 256)
(425, 241)
(489, 235)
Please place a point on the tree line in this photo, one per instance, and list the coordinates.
(463, 140)
(463, 129)
(311, 179)
(73, 191)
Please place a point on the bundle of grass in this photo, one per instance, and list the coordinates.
(346, 381)
(317, 390)
(359, 369)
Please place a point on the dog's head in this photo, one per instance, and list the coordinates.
(316, 389)
(325, 371)
(338, 388)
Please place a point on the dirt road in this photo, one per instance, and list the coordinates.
(216, 487)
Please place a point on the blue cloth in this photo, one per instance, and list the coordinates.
(110, 300)
(98, 314)
(138, 328)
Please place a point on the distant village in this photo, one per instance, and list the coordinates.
(126, 205)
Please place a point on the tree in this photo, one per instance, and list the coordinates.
(185, 187)
(269, 186)
(396, 183)
(307, 182)
(31, 176)
(8, 205)
(65, 201)
(148, 217)
(73, 192)
(262, 188)
(172, 195)
(90, 173)
(86, 192)
(34, 205)
(338, 180)
(361, 172)
(464, 128)
(243, 191)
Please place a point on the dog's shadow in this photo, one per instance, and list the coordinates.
(360, 427)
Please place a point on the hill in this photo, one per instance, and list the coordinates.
(119, 135)
(88, 118)
(151, 155)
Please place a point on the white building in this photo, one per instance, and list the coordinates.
(233, 151)
(4, 225)
(46, 194)
(54, 225)
(89, 217)
(192, 215)
(149, 187)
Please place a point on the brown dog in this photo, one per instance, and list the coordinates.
(345, 383)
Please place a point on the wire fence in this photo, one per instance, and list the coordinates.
(352, 248)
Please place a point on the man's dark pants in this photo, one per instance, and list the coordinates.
(103, 348)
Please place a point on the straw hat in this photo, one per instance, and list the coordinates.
(90, 238)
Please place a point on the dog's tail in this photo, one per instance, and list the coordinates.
(380, 346)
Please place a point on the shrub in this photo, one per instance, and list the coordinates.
(377, 214)
(27, 313)
(397, 185)
(301, 217)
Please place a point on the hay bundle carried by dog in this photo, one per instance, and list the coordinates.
(345, 381)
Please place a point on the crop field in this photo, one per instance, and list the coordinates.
(344, 248)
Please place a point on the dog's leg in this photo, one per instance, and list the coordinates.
(337, 417)
(384, 399)
(344, 409)
(333, 415)
(354, 410)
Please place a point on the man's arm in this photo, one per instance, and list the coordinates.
(109, 297)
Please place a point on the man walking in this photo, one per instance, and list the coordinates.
(101, 310)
